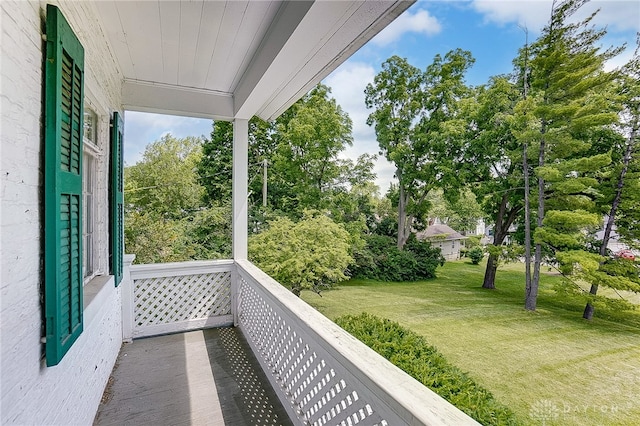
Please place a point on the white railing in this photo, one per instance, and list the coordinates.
(176, 297)
(321, 374)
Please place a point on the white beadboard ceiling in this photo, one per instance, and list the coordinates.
(234, 59)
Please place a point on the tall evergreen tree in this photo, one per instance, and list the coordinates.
(625, 184)
(569, 93)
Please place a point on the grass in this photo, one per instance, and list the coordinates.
(550, 366)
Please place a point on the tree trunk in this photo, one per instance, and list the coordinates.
(527, 221)
(502, 223)
(525, 174)
(589, 308)
(531, 295)
(402, 218)
(490, 273)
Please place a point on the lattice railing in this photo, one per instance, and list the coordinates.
(323, 375)
(174, 297)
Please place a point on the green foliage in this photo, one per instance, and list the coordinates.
(164, 181)
(215, 168)
(309, 255)
(305, 172)
(381, 259)
(209, 231)
(460, 211)
(418, 126)
(506, 252)
(492, 158)
(411, 353)
(165, 216)
(572, 98)
(155, 239)
(489, 335)
(475, 254)
(472, 241)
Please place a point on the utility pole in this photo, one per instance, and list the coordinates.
(264, 182)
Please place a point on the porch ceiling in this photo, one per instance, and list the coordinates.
(234, 59)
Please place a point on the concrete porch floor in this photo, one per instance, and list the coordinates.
(207, 377)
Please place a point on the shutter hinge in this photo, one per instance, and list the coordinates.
(44, 37)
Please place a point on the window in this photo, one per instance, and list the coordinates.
(91, 154)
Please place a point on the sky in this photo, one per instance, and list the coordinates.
(493, 30)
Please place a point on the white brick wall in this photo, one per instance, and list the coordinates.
(32, 393)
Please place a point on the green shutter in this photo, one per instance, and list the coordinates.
(116, 217)
(64, 97)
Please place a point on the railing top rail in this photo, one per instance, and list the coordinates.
(409, 399)
(153, 270)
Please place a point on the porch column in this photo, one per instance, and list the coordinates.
(240, 188)
(126, 285)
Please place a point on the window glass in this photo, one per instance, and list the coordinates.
(90, 126)
(89, 190)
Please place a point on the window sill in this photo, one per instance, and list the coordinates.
(96, 292)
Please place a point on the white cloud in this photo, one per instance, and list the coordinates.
(619, 15)
(143, 128)
(420, 22)
(616, 15)
(533, 14)
(348, 83)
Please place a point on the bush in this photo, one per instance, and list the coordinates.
(309, 255)
(472, 241)
(380, 259)
(411, 353)
(475, 254)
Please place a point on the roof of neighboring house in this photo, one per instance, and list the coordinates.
(439, 232)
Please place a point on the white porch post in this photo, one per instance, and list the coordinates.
(240, 187)
(128, 315)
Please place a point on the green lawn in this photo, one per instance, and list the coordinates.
(550, 367)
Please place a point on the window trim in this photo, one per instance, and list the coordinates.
(92, 152)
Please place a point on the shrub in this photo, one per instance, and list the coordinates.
(472, 241)
(411, 353)
(475, 254)
(308, 255)
(380, 259)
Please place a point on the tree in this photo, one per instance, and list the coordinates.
(309, 255)
(418, 127)
(380, 259)
(215, 167)
(624, 190)
(156, 239)
(164, 181)
(302, 149)
(492, 162)
(310, 136)
(166, 219)
(569, 89)
(461, 213)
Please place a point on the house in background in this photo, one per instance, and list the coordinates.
(69, 297)
(444, 238)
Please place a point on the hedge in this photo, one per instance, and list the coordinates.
(411, 353)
